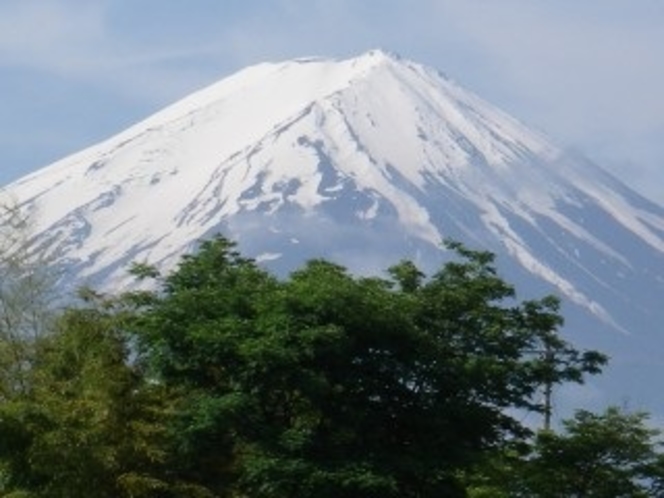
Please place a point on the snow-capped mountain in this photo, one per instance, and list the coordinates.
(364, 161)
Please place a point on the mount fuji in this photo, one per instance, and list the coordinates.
(366, 161)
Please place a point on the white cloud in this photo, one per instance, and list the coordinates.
(50, 34)
(588, 73)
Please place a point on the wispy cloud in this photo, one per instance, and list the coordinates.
(604, 59)
(589, 73)
(82, 41)
(49, 34)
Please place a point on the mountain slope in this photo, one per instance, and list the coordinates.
(364, 161)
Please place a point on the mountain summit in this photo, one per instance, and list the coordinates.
(363, 161)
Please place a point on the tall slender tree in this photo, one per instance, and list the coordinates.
(27, 296)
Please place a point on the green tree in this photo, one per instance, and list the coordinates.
(27, 296)
(497, 474)
(194, 335)
(89, 422)
(330, 385)
(614, 454)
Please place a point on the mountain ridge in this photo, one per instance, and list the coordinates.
(366, 161)
(478, 145)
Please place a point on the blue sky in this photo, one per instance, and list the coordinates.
(590, 73)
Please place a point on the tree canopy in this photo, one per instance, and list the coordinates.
(613, 454)
(327, 384)
(225, 381)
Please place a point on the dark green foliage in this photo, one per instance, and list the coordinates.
(89, 423)
(227, 382)
(614, 454)
(331, 385)
(609, 455)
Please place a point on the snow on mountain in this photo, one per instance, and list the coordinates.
(365, 161)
